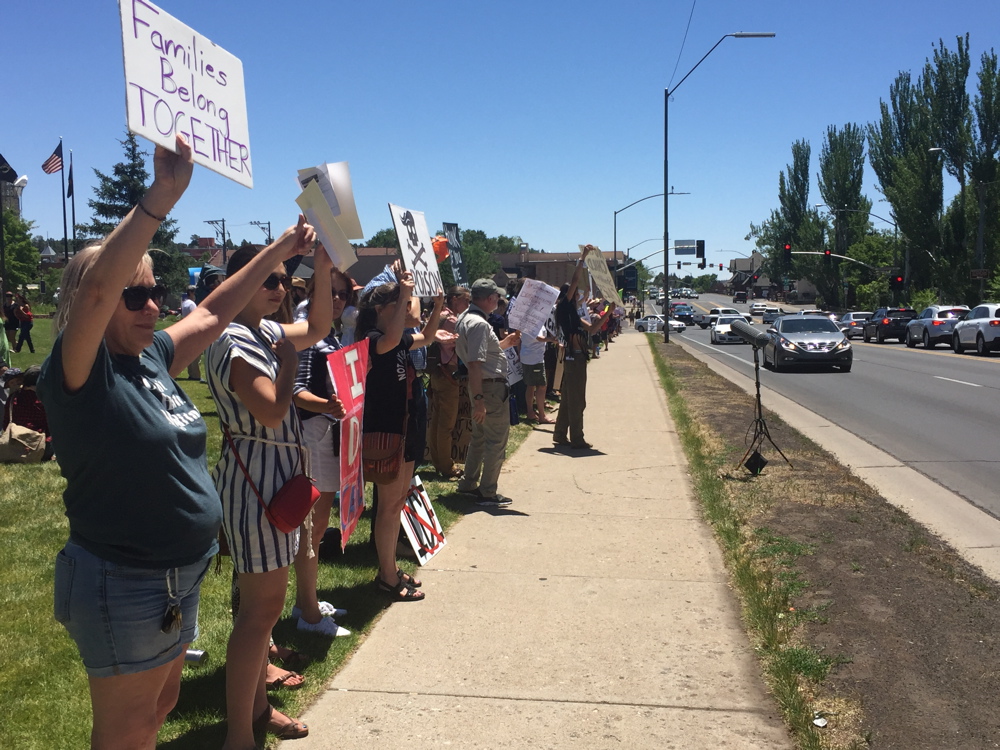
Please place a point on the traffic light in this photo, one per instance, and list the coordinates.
(787, 252)
(896, 281)
(755, 277)
(827, 256)
(702, 264)
(699, 249)
(720, 266)
(678, 265)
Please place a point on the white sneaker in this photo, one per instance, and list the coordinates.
(325, 626)
(325, 609)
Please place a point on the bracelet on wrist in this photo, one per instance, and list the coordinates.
(149, 213)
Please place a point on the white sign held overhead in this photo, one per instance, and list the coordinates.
(534, 305)
(318, 213)
(417, 251)
(178, 81)
(335, 182)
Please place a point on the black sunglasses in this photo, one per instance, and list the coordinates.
(272, 281)
(344, 296)
(136, 297)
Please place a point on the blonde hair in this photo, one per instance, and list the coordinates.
(72, 278)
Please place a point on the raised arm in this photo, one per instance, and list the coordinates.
(115, 265)
(307, 332)
(429, 331)
(596, 323)
(578, 272)
(193, 334)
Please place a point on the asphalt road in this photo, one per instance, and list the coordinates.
(935, 411)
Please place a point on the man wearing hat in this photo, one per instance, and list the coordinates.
(482, 352)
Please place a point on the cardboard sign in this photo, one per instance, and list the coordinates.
(534, 305)
(417, 251)
(348, 370)
(514, 371)
(178, 81)
(601, 276)
(334, 181)
(421, 523)
(458, 271)
(317, 212)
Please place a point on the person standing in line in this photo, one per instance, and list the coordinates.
(445, 387)
(482, 352)
(25, 322)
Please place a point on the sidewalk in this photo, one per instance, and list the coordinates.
(592, 613)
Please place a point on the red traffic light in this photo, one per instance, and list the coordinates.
(720, 266)
(827, 252)
(788, 247)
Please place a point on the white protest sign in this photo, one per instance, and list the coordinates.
(421, 523)
(534, 304)
(601, 276)
(418, 253)
(514, 370)
(178, 81)
(335, 181)
(317, 211)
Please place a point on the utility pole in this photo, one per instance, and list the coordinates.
(217, 223)
(267, 232)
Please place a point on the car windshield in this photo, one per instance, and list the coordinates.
(808, 325)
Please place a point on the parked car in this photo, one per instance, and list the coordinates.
(650, 323)
(888, 323)
(807, 340)
(935, 325)
(739, 298)
(757, 308)
(980, 328)
(676, 326)
(852, 323)
(722, 332)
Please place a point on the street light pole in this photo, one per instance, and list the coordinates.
(667, 93)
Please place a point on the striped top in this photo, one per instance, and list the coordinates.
(271, 455)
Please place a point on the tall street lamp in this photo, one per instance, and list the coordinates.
(667, 93)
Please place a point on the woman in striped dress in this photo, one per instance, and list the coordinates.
(251, 370)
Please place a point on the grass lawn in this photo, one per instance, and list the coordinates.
(42, 680)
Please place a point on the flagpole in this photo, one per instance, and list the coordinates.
(72, 188)
(62, 199)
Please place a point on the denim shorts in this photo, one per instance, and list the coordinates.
(115, 613)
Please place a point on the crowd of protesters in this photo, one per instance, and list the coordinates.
(144, 510)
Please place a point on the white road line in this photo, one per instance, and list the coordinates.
(962, 382)
(715, 348)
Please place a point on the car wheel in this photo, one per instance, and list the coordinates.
(927, 341)
(776, 365)
(641, 329)
(847, 367)
(910, 343)
(866, 337)
(879, 336)
(956, 344)
(981, 349)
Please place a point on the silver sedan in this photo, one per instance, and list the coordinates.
(807, 340)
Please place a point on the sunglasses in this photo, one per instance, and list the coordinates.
(136, 297)
(342, 296)
(272, 281)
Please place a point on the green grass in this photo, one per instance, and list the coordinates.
(42, 681)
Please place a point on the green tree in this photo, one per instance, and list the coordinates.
(22, 259)
(384, 238)
(117, 194)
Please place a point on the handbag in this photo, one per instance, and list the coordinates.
(21, 445)
(291, 504)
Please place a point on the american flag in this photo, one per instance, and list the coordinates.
(54, 163)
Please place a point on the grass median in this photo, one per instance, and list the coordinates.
(42, 680)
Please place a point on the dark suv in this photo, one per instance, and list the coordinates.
(888, 323)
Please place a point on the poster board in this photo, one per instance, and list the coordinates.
(458, 271)
(178, 81)
(421, 523)
(348, 370)
(534, 305)
(597, 266)
(416, 249)
(318, 213)
(334, 180)
(514, 371)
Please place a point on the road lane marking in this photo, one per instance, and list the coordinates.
(962, 382)
(715, 348)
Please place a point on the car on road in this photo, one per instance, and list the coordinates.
(980, 328)
(722, 332)
(683, 313)
(757, 308)
(739, 298)
(934, 325)
(852, 323)
(654, 324)
(771, 314)
(807, 340)
(706, 320)
(888, 323)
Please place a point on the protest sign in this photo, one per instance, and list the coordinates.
(416, 249)
(317, 212)
(421, 523)
(348, 369)
(334, 180)
(455, 254)
(597, 266)
(514, 372)
(178, 81)
(534, 304)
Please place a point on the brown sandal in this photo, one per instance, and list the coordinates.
(289, 730)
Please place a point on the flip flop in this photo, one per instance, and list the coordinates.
(289, 680)
(290, 730)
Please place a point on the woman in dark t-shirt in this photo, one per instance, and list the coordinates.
(386, 311)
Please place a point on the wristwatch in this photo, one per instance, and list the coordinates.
(478, 397)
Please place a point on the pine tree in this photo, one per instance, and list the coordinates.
(116, 195)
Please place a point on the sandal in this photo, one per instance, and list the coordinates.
(292, 660)
(409, 580)
(400, 593)
(289, 730)
(289, 680)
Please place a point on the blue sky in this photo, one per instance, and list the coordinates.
(537, 119)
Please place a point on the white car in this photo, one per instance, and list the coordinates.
(722, 332)
(654, 324)
(979, 329)
(757, 308)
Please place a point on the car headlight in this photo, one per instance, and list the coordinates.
(845, 344)
(786, 344)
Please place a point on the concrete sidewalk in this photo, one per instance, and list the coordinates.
(592, 613)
